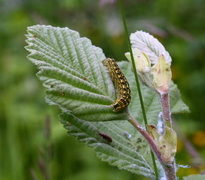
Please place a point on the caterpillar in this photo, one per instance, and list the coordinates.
(120, 83)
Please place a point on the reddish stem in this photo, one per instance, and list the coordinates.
(147, 137)
(166, 114)
(169, 169)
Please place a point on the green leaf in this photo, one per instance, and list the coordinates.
(120, 152)
(176, 103)
(194, 177)
(71, 68)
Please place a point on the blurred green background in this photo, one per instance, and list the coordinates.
(33, 143)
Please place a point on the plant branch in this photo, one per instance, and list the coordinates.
(146, 135)
(166, 114)
(169, 169)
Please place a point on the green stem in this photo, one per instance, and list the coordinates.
(137, 80)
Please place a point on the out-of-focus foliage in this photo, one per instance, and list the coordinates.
(178, 24)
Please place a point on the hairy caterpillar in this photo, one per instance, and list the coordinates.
(120, 83)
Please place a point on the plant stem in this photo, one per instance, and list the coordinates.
(169, 169)
(136, 79)
(146, 135)
(166, 114)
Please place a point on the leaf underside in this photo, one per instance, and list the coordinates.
(71, 68)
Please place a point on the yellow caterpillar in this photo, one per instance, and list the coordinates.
(120, 83)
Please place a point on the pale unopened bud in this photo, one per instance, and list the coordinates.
(161, 75)
(142, 61)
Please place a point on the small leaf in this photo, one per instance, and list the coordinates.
(166, 143)
(162, 75)
(142, 61)
(150, 46)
